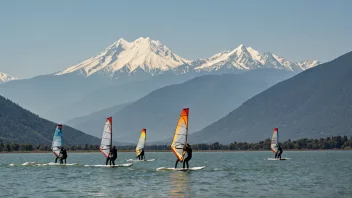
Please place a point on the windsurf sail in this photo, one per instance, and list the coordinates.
(57, 141)
(141, 142)
(275, 140)
(106, 140)
(180, 136)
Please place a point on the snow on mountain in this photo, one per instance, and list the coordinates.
(247, 58)
(145, 55)
(5, 78)
(124, 57)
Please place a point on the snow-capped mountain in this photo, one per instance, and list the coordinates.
(124, 57)
(5, 78)
(247, 58)
(145, 55)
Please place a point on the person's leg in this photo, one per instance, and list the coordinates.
(113, 161)
(56, 159)
(61, 161)
(107, 161)
(176, 163)
(186, 162)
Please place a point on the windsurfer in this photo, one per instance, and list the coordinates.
(63, 154)
(188, 149)
(141, 156)
(279, 152)
(113, 155)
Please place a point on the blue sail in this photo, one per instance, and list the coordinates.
(57, 141)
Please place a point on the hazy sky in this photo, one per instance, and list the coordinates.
(41, 37)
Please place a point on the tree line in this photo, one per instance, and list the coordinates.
(335, 142)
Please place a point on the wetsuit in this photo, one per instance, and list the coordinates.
(189, 156)
(279, 151)
(142, 155)
(113, 156)
(64, 156)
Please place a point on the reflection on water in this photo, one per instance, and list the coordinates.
(179, 184)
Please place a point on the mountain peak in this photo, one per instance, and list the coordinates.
(241, 47)
(127, 58)
(5, 78)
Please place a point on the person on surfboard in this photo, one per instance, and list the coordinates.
(113, 155)
(279, 152)
(141, 156)
(188, 150)
(64, 155)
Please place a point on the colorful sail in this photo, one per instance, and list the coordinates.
(57, 141)
(141, 142)
(275, 140)
(106, 140)
(180, 136)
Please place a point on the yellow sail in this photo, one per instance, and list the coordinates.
(141, 142)
(180, 137)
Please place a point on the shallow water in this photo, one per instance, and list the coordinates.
(227, 174)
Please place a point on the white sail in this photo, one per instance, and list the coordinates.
(106, 140)
(275, 140)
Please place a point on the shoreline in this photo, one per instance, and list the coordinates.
(163, 151)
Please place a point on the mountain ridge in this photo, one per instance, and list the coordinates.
(315, 103)
(145, 55)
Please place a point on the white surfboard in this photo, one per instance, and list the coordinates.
(29, 164)
(136, 160)
(117, 165)
(58, 164)
(278, 159)
(180, 169)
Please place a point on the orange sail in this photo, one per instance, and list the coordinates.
(180, 137)
(141, 142)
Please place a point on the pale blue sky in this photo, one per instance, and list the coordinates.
(41, 37)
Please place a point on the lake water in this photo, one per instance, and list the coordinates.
(227, 174)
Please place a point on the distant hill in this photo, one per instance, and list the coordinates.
(80, 122)
(208, 97)
(18, 125)
(313, 104)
